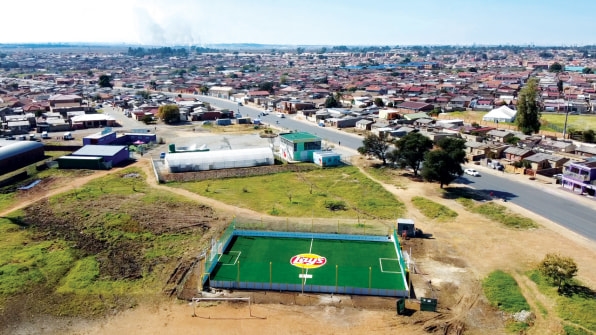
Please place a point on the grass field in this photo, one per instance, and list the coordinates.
(305, 194)
(556, 122)
(358, 264)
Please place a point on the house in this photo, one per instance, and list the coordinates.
(542, 161)
(500, 135)
(388, 114)
(299, 146)
(411, 107)
(584, 150)
(364, 124)
(475, 151)
(580, 177)
(515, 154)
(552, 146)
(224, 92)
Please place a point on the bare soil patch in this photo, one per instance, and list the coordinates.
(449, 265)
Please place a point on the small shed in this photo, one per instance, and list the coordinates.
(82, 162)
(326, 158)
(113, 154)
(406, 225)
(223, 122)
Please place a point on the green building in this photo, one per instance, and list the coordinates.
(299, 146)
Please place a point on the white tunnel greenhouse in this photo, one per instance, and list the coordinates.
(220, 159)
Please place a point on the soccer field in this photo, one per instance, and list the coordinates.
(310, 265)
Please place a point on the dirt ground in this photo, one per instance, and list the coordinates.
(449, 266)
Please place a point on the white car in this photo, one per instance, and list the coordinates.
(472, 172)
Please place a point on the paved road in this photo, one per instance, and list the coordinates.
(549, 203)
(546, 200)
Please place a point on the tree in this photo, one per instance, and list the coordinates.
(528, 114)
(588, 136)
(555, 67)
(299, 50)
(143, 94)
(331, 102)
(169, 113)
(587, 70)
(204, 89)
(104, 81)
(374, 145)
(379, 102)
(266, 86)
(444, 164)
(557, 268)
(560, 86)
(411, 150)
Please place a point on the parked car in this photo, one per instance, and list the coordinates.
(496, 165)
(162, 155)
(44, 135)
(472, 172)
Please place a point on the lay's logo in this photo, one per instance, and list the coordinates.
(308, 261)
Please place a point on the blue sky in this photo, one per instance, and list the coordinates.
(301, 22)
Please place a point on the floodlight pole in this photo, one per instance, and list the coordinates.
(369, 278)
(270, 275)
(238, 275)
(336, 278)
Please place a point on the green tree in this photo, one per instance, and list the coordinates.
(376, 146)
(379, 102)
(266, 86)
(588, 136)
(299, 50)
(558, 268)
(528, 113)
(283, 79)
(104, 81)
(587, 70)
(331, 102)
(147, 119)
(560, 86)
(444, 164)
(555, 67)
(169, 113)
(143, 94)
(204, 89)
(411, 150)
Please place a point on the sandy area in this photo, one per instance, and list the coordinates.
(449, 266)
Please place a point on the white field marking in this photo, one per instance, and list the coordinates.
(389, 259)
(235, 260)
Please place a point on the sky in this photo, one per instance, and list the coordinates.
(301, 22)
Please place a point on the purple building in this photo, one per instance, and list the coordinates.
(111, 154)
(110, 138)
(580, 177)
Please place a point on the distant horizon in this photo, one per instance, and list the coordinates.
(301, 23)
(269, 46)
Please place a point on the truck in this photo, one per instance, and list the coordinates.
(68, 136)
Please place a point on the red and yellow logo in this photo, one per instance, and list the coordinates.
(308, 261)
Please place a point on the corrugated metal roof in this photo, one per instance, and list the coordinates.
(99, 150)
(13, 148)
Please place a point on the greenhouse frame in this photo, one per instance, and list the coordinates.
(220, 159)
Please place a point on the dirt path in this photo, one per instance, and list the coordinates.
(460, 254)
(73, 184)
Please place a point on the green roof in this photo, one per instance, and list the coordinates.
(300, 137)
